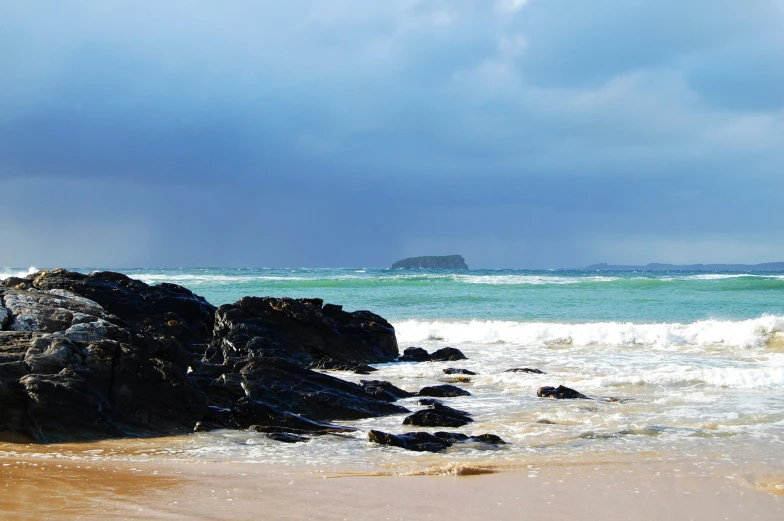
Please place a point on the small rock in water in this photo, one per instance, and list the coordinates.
(459, 379)
(414, 354)
(443, 391)
(384, 390)
(524, 370)
(447, 354)
(546, 422)
(452, 370)
(439, 416)
(560, 393)
(286, 437)
(426, 442)
(428, 401)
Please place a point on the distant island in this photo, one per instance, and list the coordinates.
(767, 266)
(444, 262)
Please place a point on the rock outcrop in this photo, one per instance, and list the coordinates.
(103, 355)
(445, 262)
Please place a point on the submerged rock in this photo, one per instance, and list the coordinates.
(443, 391)
(287, 437)
(560, 393)
(452, 370)
(524, 370)
(426, 442)
(439, 416)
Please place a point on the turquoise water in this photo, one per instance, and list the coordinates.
(510, 295)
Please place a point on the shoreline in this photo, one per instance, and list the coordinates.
(42, 483)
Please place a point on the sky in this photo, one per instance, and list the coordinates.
(352, 133)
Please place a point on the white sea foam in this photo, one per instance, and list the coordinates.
(10, 272)
(744, 333)
(529, 279)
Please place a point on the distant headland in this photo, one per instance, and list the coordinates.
(444, 262)
(767, 266)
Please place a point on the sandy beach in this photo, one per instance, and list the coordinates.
(40, 483)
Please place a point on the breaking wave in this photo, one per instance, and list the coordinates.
(10, 272)
(751, 333)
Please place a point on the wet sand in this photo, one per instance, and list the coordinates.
(37, 486)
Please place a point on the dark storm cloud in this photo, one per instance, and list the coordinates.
(519, 133)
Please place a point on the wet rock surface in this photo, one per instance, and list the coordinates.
(427, 442)
(445, 354)
(384, 390)
(560, 393)
(453, 370)
(524, 370)
(443, 391)
(438, 415)
(103, 355)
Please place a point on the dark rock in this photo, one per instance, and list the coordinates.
(452, 370)
(490, 439)
(205, 426)
(315, 395)
(299, 330)
(245, 413)
(414, 354)
(447, 354)
(524, 370)
(384, 390)
(428, 401)
(443, 391)
(337, 365)
(286, 437)
(416, 441)
(443, 262)
(426, 442)
(104, 355)
(560, 393)
(546, 422)
(438, 416)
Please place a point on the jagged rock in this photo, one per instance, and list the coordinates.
(524, 370)
(452, 370)
(315, 395)
(443, 391)
(299, 330)
(286, 437)
(384, 390)
(560, 393)
(447, 354)
(414, 354)
(103, 355)
(246, 412)
(426, 442)
(337, 365)
(438, 416)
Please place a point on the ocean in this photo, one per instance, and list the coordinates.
(680, 365)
